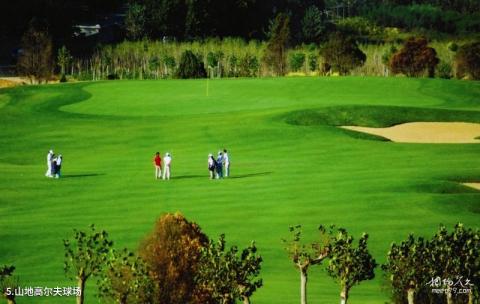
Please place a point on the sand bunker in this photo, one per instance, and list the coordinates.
(472, 185)
(427, 132)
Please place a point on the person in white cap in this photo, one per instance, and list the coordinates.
(49, 164)
(212, 164)
(167, 160)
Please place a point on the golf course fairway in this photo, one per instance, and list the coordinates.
(290, 164)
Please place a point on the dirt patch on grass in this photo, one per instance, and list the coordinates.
(426, 132)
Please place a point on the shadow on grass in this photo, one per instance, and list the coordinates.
(250, 175)
(189, 176)
(82, 175)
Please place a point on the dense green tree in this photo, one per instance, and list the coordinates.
(306, 254)
(35, 61)
(408, 268)
(198, 19)
(8, 283)
(276, 51)
(172, 253)
(228, 276)
(85, 256)
(467, 60)
(349, 264)
(165, 18)
(456, 258)
(135, 21)
(296, 61)
(312, 25)
(248, 66)
(125, 279)
(342, 53)
(415, 58)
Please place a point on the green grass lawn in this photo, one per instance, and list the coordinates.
(284, 172)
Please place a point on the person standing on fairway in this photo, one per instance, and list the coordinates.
(220, 165)
(167, 161)
(157, 162)
(226, 161)
(212, 164)
(49, 164)
(58, 167)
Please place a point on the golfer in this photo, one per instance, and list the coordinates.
(212, 164)
(58, 166)
(167, 161)
(226, 161)
(49, 164)
(157, 162)
(220, 165)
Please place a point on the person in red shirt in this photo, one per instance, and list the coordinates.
(157, 162)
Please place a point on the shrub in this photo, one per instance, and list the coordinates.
(342, 54)
(190, 66)
(415, 58)
(444, 70)
(452, 46)
(233, 64)
(467, 60)
(312, 62)
(296, 61)
(388, 54)
(249, 66)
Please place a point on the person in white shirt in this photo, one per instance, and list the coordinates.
(211, 165)
(167, 160)
(226, 161)
(49, 164)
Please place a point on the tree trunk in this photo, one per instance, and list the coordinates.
(449, 298)
(303, 285)
(246, 300)
(411, 296)
(470, 297)
(344, 294)
(81, 285)
(11, 300)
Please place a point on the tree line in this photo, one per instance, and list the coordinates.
(340, 54)
(247, 19)
(177, 263)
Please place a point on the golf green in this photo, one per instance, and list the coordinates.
(285, 169)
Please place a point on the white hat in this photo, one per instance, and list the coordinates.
(51, 151)
(168, 154)
(210, 155)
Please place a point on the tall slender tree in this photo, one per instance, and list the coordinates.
(350, 264)
(276, 50)
(304, 255)
(85, 256)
